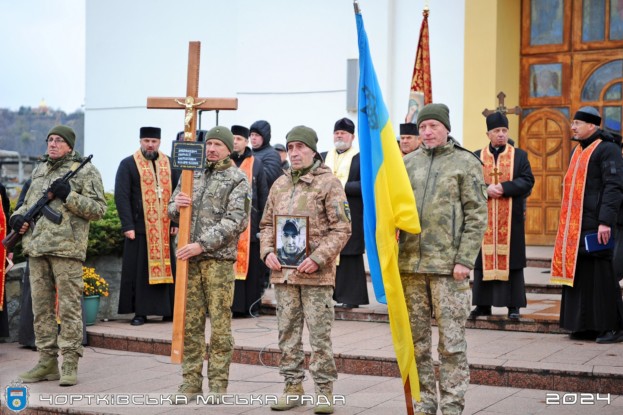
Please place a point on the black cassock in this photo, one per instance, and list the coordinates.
(136, 294)
(511, 293)
(594, 302)
(351, 286)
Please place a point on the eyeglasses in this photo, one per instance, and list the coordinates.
(55, 140)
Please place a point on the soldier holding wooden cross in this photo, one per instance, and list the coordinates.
(220, 203)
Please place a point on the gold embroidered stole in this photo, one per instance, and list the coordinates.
(339, 163)
(2, 255)
(570, 223)
(241, 266)
(156, 192)
(497, 239)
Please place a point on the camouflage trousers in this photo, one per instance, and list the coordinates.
(296, 303)
(210, 288)
(47, 275)
(449, 300)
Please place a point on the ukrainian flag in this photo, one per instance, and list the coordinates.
(389, 205)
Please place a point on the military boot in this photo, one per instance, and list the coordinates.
(291, 397)
(45, 369)
(324, 399)
(186, 393)
(69, 370)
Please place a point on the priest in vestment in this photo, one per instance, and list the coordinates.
(143, 186)
(499, 269)
(351, 286)
(249, 267)
(591, 306)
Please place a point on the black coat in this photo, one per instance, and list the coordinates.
(519, 188)
(259, 190)
(128, 196)
(272, 163)
(603, 192)
(356, 244)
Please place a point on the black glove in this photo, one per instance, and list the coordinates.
(16, 222)
(60, 189)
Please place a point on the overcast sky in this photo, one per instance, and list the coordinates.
(42, 53)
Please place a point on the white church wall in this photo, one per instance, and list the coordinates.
(285, 61)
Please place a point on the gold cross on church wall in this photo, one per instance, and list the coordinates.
(502, 108)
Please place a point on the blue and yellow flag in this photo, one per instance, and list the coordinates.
(389, 204)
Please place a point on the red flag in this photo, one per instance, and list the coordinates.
(421, 89)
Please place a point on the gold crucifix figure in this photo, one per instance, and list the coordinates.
(189, 104)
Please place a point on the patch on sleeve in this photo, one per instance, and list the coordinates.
(342, 211)
(247, 203)
(483, 188)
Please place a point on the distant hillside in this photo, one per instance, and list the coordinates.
(25, 131)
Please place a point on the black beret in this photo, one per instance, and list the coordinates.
(344, 124)
(409, 129)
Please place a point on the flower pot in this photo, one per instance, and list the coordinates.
(91, 307)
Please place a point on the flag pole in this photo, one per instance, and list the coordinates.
(407, 383)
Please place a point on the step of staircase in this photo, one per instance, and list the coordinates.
(501, 358)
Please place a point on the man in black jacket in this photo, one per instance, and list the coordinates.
(262, 150)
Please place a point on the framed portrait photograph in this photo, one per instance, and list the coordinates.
(291, 236)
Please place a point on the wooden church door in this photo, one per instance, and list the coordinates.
(571, 56)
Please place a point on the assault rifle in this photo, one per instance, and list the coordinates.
(41, 208)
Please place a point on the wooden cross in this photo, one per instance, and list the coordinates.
(501, 108)
(190, 104)
(496, 173)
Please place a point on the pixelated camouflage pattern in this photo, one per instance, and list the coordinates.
(451, 200)
(210, 289)
(85, 203)
(320, 196)
(66, 274)
(221, 203)
(449, 302)
(315, 305)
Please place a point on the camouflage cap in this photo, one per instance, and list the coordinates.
(222, 134)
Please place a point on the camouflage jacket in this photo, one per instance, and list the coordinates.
(318, 195)
(84, 203)
(221, 202)
(451, 198)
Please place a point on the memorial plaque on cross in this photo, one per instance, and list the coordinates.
(502, 108)
(190, 104)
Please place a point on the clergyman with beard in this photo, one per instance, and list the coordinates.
(143, 186)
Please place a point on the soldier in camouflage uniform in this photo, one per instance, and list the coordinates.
(220, 208)
(452, 205)
(307, 189)
(56, 253)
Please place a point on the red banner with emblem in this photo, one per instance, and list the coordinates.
(421, 85)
